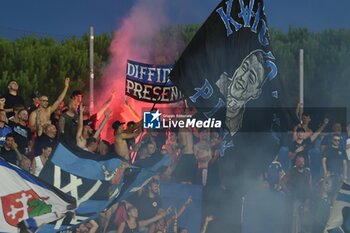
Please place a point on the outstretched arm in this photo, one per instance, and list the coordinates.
(105, 119)
(298, 110)
(105, 106)
(181, 211)
(39, 127)
(61, 96)
(319, 130)
(207, 220)
(32, 121)
(80, 125)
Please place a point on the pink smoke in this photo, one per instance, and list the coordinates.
(133, 41)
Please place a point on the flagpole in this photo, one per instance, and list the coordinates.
(301, 82)
(133, 157)
(91, 58)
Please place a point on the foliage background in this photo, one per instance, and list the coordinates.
(42, 63)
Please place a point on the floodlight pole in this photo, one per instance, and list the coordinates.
(301, 81)
(91, 58)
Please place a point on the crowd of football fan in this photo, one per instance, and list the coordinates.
(28, 136)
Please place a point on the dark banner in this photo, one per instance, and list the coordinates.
(229, 68)
(150, 83)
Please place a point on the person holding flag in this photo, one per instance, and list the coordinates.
(228, 72)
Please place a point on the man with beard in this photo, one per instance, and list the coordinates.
(297, 185)
(148, 200)
(23, 136)
(9, 151)
(46, 110)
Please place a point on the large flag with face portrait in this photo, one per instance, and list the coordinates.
(229, 72)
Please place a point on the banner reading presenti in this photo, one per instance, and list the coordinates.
(150, 83)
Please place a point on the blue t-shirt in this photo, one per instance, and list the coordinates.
(3, 132)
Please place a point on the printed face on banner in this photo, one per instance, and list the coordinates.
(245, 84)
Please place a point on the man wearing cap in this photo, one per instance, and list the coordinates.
(12, 97)
(46, 110)
(21, 132)
(121, 136)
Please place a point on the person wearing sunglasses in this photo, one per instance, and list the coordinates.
(334, 163)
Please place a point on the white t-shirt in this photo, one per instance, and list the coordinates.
(38, 166)
(348, 150)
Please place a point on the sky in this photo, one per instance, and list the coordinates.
(65, 18)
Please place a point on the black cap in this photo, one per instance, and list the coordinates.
(130, 123)
(116, 124)
(300, 129)
(88, 122)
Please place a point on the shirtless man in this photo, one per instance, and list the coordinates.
(46, 110)
(187, 164)
(185, 137)
(84, 132)
(304, 119)
(121, 136)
